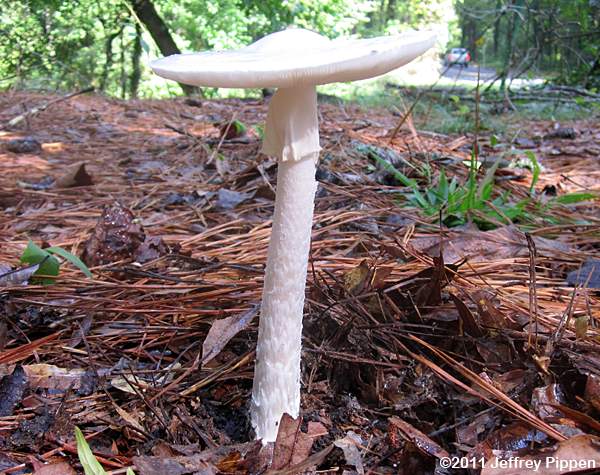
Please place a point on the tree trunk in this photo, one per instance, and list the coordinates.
(499, 15)
(510, 36)
(147, 14)
(123, 79)
(136, 72)
(108, 54)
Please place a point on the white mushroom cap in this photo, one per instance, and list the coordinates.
(295, 57)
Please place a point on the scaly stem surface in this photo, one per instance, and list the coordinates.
(292, 135)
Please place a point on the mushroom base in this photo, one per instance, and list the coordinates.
(277, 372)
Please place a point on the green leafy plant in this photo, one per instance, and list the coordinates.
(88, 460)
(48, 264)
(460, 203)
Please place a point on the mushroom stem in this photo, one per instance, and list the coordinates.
(292, 135)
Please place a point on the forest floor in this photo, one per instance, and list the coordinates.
(420, 341)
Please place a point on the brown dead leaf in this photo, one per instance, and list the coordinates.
(592, 391)
(572, 455)
(130, 418)
(514, 439)
(12, 388)
(468, 323)
(173, 466)
(356, 279)
(74, 175)
(229, 463)
(544, 401)
(430, 294)
(314, 460)
(469, 434)
(512, 379)
(58, 468)
(293, 446)
(580, 418)
(420, 440)
(224, 330)
(16, 277)
(490, 315)
(152, 248)
(52, 377)
(482, 246)
(379, 276)
(350, 446)
(285, 443)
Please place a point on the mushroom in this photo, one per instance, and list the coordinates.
(294, 61)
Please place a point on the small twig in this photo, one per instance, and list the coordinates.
(561, 327)
(533, 302)
(36, 110)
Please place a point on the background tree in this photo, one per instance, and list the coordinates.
(66, 44)
(147, 14)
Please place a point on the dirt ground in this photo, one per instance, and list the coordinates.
(421, 342)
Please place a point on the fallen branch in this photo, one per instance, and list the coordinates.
(36, 110)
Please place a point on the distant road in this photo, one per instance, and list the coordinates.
(468, 73)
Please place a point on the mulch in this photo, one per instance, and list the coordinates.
(420, 342)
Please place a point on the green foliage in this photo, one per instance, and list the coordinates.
(55, 44)
(535, 169)
(239, 127)
(64, 44)
(88, 461)
(556, 36)
(49, 265)
(459, 204)
(573, 198)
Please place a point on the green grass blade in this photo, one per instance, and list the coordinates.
(398, 175)
(535, 170)
(443, 188)
(90, 464)
(573, 198)
(487, 185)
(71, 258)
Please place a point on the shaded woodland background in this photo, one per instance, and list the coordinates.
(53, 44)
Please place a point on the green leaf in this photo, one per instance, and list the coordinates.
(572, 198)
(487, 185)
(49, 265)
(464, 109)
(443, 185)
(398, 175)
(130, 471)
(493, 140)
(90, 464)
(240, 128)
(535, 169)
(260, 131)
(71, 258)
